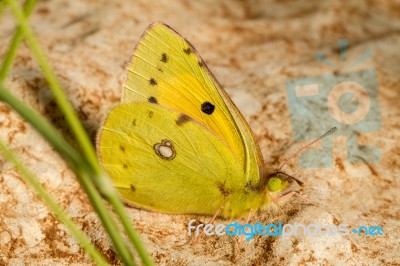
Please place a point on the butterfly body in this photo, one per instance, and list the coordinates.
(176, 143)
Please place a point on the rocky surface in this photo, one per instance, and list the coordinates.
(253, 48)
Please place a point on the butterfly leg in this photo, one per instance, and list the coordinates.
(202, 234)
(286, 197)
(249, 216)
(240, 240)
(215, 215)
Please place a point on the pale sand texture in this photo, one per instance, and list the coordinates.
(253, 48)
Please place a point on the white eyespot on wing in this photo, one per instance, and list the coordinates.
(165, 150)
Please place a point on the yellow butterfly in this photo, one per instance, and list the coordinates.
(176, 143)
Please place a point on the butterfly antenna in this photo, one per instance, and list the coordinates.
(300, 183)
(306, 146)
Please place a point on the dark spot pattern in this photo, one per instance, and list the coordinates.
(164, 58)
(200, 64)
(207, 108)
(125, 166)
(133, 188)
(134, 122)
(153, 82)
(251, 187)
(152, 99)
(187, 50)
(182, 119)
(150, 114)
(224, 191)
(122, 148)
(160, 69)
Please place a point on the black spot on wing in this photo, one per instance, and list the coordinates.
(207, 108)
(164, 58)
(150, 114)
(133, 188)
(152, 99)
(153, 82)
(187, 50)
(182, 119)
(122, 148)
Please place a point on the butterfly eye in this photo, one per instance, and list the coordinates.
(276, 184)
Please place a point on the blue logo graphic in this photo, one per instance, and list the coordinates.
(346, 100)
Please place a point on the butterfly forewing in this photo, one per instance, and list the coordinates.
(166, 70)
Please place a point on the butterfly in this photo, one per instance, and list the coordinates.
(176, 143)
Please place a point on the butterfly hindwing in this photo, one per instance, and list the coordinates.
(161, 161)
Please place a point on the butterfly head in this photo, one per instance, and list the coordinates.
(276, 184)
(276, 181)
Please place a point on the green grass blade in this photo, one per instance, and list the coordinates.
(89, 155)
(131, 232)
(2, 7)
(108, 223)
(45, 128)
(59, 95)
(29, 178)
(15, 41)
(78, 164)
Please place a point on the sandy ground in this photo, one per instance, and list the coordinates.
(254, 48)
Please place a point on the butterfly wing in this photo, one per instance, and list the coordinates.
(161, 161)
(167, 70)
